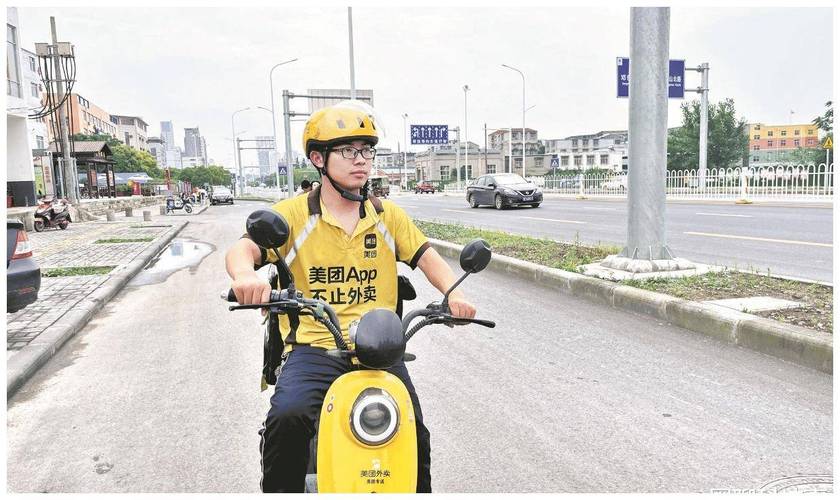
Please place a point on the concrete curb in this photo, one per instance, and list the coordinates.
(792, 343)
(23, 364)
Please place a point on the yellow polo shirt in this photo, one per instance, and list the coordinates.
(354, 274)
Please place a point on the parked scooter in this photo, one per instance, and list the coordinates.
(52, 212)
(366, 435)
(182, 202)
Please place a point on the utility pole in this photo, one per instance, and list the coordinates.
(703, 90)
(457, 155)
(286, 124)
(466, 137)
(646, 251)
(71, 184)
(352, 61)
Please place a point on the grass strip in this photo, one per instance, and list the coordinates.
(60, 272)
(567, 256)
(125, 240)
(817, 302)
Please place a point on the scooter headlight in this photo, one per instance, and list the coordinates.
(375, 417)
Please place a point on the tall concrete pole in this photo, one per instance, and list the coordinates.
(649, 33)
(237, 164)
(405, 154)
(239, 160)
(286, 125)
(274, 125)
(466, 137)
(352, 60)
(458, 155)
(71, 184)
(704, 122)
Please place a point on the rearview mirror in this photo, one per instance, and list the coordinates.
(491, 185)
(267, 228)
(475, 256)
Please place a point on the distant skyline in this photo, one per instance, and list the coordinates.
(195, 67)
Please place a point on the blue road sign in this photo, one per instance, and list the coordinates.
(555, 163)
(282, 170)
(429, 134)
(676, 77)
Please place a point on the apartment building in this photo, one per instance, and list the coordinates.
(133, 131)
(773, 144)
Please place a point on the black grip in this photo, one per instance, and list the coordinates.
(484, 322)
(274, 297)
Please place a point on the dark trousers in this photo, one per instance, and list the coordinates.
(290, 423)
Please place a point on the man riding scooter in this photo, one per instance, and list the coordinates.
(343, 248)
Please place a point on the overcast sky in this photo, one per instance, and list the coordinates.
(195, 66)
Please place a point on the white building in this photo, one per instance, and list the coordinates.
(438, 162)
(158, 149)
(602, 150)
(32, 90)
(173, 158)
(133, 131)
(20, 176)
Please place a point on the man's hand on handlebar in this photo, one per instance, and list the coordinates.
(459, 307)
(251, 290)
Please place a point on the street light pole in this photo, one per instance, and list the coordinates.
(523, 118)
(466, 138)
(405, 153)
(236, 149)
(274, 124)
(352, 60)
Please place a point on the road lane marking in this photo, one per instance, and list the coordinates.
(557, 220)
(458, 211)
(725, 215)
(597, 208)
(771, 240)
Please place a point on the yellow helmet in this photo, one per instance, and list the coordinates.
(343, 122)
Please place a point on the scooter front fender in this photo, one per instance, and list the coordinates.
(346, 464)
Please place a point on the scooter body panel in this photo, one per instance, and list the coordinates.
(348, 465)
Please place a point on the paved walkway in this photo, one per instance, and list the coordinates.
(77, 247)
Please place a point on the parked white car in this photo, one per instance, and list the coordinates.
(221, 194)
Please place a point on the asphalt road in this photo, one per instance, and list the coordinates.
(160, 393)
(791, 241)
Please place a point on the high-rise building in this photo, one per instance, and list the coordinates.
(167, 134)
(158, 149)
(204, 151)
(264, 156)
(192, 142)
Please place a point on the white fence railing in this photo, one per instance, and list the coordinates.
(781, 182)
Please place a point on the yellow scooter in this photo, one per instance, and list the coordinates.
(366, 436)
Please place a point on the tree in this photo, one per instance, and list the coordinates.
(728, 140)
(826, 124)
(109, 139)
(131, 160)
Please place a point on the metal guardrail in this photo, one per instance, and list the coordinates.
(776, 182)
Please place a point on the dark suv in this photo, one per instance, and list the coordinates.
(23, 274)
(503, 190)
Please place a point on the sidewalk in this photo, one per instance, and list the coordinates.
(66, 304)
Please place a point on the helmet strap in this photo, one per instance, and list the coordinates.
(347, 195)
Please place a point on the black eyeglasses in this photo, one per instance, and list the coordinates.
(350, 153)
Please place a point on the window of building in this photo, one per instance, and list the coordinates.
(755, 158)
(590, 159)
(578, 160)
(584, 143)
(810, 142)
(782, 142)
(39, 142)
(538, 161)
(12, 70)
(757, 127)
(574, 143)
(491, 169)
(32, 64)
(564, 161)
(33, 87)
(756, 137)
(444, 172)
(756, 148)
(810, 131)
(769, 133)
(617, 141)
(517, 162)
(796, 132)
(605, 159)
(796, 142)
(594, 143)
(769, 144)
(784, 132)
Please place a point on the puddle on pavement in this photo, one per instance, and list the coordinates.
(179, 254)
